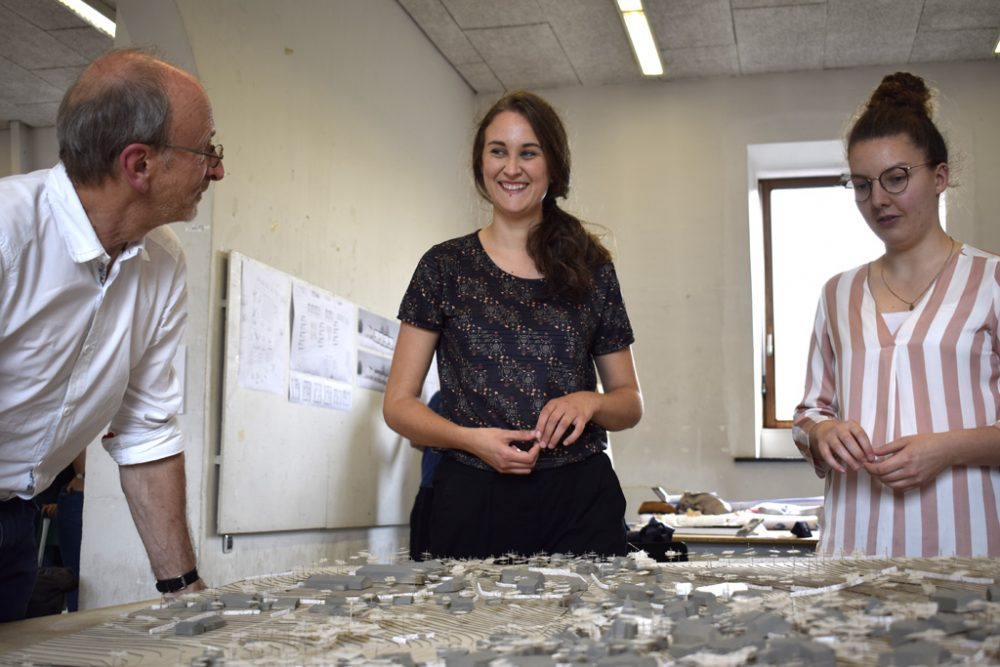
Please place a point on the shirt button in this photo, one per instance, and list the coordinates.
(66, 411)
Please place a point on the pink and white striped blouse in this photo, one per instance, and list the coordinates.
(939, 372)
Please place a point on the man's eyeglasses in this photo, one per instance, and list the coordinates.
(893, 180)
(214, 153)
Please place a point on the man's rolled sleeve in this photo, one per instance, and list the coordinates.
(145, 427)
(131, 448)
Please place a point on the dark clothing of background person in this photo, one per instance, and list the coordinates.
(420, 517)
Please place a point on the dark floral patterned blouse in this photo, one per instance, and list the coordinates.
(505, 350)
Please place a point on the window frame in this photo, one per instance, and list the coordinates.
(765, 186)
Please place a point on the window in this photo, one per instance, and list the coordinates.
(800, 159)
(812, 230)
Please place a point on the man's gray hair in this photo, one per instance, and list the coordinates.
(119, 100)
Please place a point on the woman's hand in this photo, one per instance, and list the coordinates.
(567, 415)
(501, 450)
(910, 462)
(841, 444)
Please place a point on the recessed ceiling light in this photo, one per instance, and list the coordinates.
(641, 37)
(91, 16)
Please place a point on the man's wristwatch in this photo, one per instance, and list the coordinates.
(177, 583)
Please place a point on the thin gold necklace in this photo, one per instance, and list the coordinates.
(911, 304)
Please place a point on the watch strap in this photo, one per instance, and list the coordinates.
(177, 583)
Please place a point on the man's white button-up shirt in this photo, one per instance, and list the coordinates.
(82, 347)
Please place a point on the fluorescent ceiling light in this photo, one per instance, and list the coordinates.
(996, 47)
(91, 16)
(641, 37)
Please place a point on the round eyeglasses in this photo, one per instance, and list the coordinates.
(893, 180)
(214, 153)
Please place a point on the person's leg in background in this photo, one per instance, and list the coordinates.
(70, 526)
(18, 557)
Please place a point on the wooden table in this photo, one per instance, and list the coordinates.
(781, 541)
(20, 634)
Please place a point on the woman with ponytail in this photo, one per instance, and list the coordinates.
(520, 313)
(902, 401)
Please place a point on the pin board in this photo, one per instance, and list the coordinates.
(303, 442)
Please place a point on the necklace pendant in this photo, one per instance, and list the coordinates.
(911, 306)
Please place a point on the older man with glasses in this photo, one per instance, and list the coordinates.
(93, 304)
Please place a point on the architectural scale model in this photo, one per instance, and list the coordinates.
(749, 610)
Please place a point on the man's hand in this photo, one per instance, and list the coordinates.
(193, 587)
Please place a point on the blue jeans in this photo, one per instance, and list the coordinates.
(18, 557)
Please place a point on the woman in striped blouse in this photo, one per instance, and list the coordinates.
(902, 401)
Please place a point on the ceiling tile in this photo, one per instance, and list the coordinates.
(701, 61)
(578, 26)
(23, 87)
(471, 14)
(960, 14)
(44, 14)
(945, 45)
(24, 44)
(751, 4)
(88, 42)
(42, 114)
(780, 39)
(8, 112)
(524, 56)
(60, 77)
(441, 29)
(541, 43)
(870, 32)
(769, 35)
(681, 24)
(480, 77)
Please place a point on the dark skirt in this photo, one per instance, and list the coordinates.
(577, 509)
(420, 523)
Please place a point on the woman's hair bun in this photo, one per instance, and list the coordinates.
(901, 105)
(902, 89)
